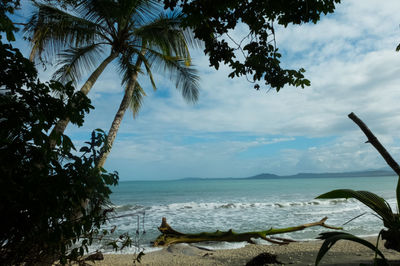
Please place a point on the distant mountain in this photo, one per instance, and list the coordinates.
(380, 172)
(325, 175)
(264, 176)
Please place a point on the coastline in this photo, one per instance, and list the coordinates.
(298, 253)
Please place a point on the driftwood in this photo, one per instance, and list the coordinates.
(171, 236)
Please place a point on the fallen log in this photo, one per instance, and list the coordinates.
(170, 236)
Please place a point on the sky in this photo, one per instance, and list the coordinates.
(236, 131)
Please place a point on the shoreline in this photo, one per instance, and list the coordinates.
(297, 253)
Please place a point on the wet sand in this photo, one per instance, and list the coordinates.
(299, 253)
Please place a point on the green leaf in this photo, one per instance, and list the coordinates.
(373, 201)
(139, 256)
(332, 237)
(398, 193)
(113, 244)
(63, 260)
(136, 99)
(84, 149)
(10, 36)
(67, 143)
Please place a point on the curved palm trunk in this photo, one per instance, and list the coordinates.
(95, 75)
(61, 125)
(112, 133)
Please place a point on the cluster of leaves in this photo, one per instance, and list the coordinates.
(212, 20)
(381, 208)
(53, 199)
(6, 25)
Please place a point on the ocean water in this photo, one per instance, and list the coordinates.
(244, 205)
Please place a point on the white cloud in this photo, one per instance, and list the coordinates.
(349, 153)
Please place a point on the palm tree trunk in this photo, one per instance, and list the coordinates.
(95, 75)
(112, 133)
(61, 125)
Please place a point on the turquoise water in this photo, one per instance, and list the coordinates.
(245, 205)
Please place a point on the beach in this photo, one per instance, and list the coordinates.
(193, 206)
(298, 253)
(245, 205)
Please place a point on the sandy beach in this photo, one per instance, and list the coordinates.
(299, 253)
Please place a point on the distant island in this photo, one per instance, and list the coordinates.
(376, 173)
(322, 175)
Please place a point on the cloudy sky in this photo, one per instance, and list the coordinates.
(236, 131)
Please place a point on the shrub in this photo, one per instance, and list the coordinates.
(53, 199)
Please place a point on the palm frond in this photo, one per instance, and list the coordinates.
(76, 62)
(185, 77)
(140, 12)
(52, 30)
(128, 65)
(123, 13)
(371, 200)
(103, 12)
(150, 74)
(166, 35)
(147, 66)
(137, 99)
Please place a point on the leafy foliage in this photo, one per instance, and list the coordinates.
(53, 200)
(6, 25)
(381, 208)
(332, 237)
(213, 20)
(371, 200)
(131, 30)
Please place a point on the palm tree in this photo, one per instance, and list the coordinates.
(136, 32)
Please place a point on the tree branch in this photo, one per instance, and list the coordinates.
(375, 142)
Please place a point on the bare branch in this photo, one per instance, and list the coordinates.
(375, 142)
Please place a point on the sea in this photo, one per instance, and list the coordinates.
(207, 205)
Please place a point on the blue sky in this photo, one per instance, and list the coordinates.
(236, 131)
